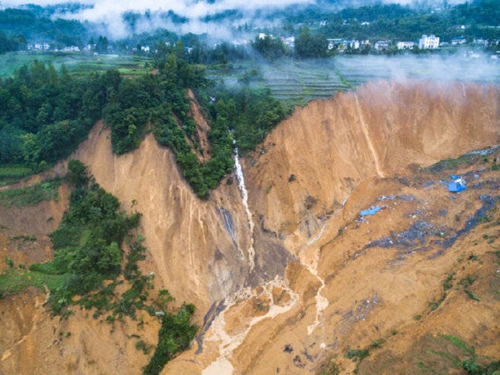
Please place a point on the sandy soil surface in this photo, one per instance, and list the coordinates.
(323, 280)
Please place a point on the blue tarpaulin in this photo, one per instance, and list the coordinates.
(371, 211)
(456, 187)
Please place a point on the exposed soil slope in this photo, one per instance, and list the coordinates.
(332, 146)
(318, 284)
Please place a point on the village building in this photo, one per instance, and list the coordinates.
(38, 46)
(428, 42)
(457, 40)
(382, 45)
(405, 45)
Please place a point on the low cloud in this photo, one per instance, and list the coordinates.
(108, 13)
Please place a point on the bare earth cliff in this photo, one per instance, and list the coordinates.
(292, 278)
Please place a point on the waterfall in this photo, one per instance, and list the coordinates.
(244, 196)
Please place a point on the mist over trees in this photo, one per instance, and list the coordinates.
(42, 108)
(308, 45)
(270, 47)
(40, 28)
(35, 24)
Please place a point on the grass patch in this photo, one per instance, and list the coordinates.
(12, 174)
(24, 238)
(466, 282)
(357, 354)
(32, 195)
(14, 281)
(452, 164)
(466, 349)
(471, 295)
(444, 354)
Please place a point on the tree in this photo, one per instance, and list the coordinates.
(270, 47)
(310, 46)
(78, 174)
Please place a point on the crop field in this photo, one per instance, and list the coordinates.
(77, 63)
(297, 81)
(300, 81)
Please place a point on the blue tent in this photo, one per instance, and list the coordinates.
(456, 187)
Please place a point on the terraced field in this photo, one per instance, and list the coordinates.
(301, 81)
(76, 63)
(298, 81)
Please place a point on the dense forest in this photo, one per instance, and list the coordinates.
(41, 109)
(401, 23)
(40, 28)
(11, 43)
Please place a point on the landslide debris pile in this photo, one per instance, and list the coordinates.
(312, 286)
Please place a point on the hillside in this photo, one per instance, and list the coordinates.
(298, 278)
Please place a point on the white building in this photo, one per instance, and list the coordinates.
(405, 45)
(354, 44)
(38, 46)
(332, 43)
(290, 41)
(428, 42)
(382, 45)
(71, 49)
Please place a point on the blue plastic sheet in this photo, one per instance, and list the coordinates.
(456, 187)
(371, 211)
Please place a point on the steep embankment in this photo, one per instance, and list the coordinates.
(189, 247)
(315, 159)
(306, 185)
(314, 291)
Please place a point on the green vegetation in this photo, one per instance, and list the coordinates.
(28, 25)
(11, 174)
(77, 64)
(308, 45)
(14, 281)
(466, 283)
(399, 22)
(357, 354)
(270, 48)
(9, 44)
(453, 164)
(175, 334)
(329, 367)
(447, 285)
(88, 263)
(43, 108)
(453, 353)
(32, 195)
(448, 282)
(88, 243)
